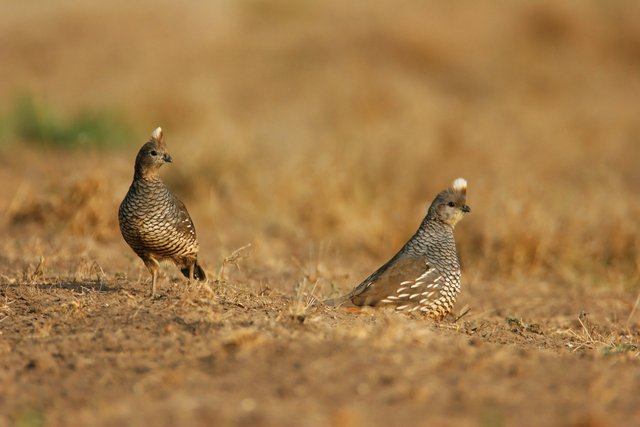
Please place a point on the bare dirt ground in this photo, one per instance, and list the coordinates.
(307, 141)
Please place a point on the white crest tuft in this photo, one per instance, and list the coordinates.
(459, 184)
(157, 134)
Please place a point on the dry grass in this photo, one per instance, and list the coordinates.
(308, 139)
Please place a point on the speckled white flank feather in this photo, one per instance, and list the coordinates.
(459, 184)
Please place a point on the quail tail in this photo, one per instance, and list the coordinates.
(198, 272)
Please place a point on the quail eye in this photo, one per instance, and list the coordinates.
(451, 204)
(154, 153)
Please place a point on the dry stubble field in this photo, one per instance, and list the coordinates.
(317, 133)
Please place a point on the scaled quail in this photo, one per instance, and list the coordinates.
(425, 274)
(153, 221)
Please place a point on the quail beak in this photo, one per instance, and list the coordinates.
(466, 209)
(167, 158)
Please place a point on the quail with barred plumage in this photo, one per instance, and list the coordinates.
(425, 274)
(153, 221)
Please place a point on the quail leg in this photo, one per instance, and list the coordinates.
(153, 267)
(191, 269)
(154, 279)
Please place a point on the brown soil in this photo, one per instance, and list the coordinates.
(96, 351)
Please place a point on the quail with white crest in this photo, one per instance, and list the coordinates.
(425, 274)
(153, 221)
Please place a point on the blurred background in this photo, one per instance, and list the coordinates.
(319, 132)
